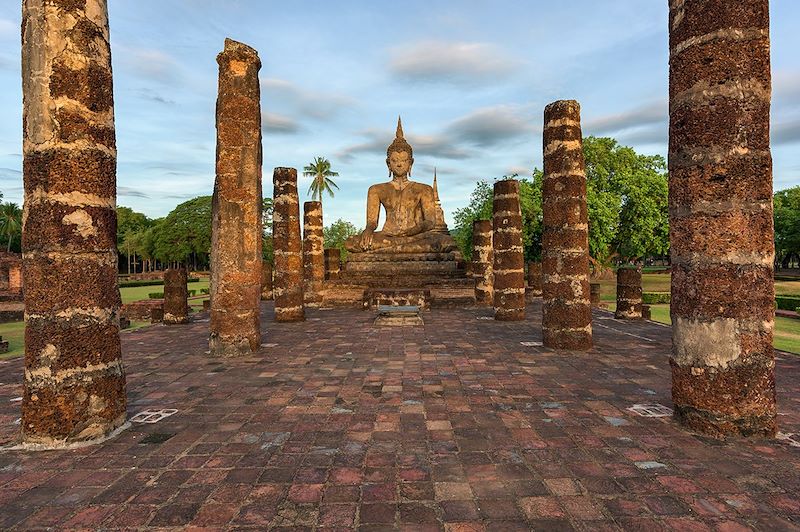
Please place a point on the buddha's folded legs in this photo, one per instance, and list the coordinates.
(429, 242)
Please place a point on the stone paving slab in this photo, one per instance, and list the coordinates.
(465, 424)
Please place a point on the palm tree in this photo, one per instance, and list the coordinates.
(10, 221)
(321, 171)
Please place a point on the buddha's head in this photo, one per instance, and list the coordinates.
(399, 155)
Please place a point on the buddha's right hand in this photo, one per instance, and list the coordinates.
(366, 239)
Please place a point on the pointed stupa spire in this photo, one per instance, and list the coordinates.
(399, 133)
(435, 187)
(399, 143)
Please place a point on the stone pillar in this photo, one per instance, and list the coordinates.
(313, 254)
(236, 206)
(74, 383)
(288, 246)
(535, 277)
(721, 232)
(176, 292)
(566, 307)
(333, 263)
(629, 294)
(482, 262)
(594, 295)
(266, 281)
(509, 265)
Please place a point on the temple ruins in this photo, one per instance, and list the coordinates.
(482, 261)
(74, 385)
(313, 254)
(236, 206)
(508, 267)
(176, 294)
(287, 288)
(566, 307)
(722, 240)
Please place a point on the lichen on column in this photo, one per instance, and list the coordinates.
(288, 247)
(74, 382)
(508, 266)
(313, 254)
(236, 206)
(566, 298)
(482, 259)
(176, 293)
(629, 294)
(721, 227)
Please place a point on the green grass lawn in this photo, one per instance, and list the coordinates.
(786, 336)
(15, 332)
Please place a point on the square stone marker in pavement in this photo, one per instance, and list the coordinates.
(454, 425)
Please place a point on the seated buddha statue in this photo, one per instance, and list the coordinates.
(414, 221)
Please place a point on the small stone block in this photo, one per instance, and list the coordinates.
(124, 323)
(3, 346)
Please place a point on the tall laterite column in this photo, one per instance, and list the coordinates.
(509, 265)
(176, 293)
(333, 263)
(288, 284)
(721, 230)
(74, 383)
(482, 260)
(236, 206)
(535, 278)
(629, 294)
(313, 254)
(566, 306)
(266, 281)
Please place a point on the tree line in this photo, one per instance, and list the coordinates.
(627, 199)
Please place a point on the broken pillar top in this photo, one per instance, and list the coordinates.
(237, 51)
(563, 108)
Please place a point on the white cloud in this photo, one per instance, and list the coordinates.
(494, 125)
(280, 124)
(455, 62)
(312, 104)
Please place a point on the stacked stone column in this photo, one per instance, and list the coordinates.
(629, 294)
(74, 383)
(509, 265)
(333, 263)
(482, 262)
(288, 246)
(313, 254)
(266, 281)
(176, 294)
(566, 308)
(535, 278)
(236, 206)
(721, 231)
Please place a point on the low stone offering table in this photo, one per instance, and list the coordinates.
(390, 316)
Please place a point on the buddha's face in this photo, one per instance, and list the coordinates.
(400, 163)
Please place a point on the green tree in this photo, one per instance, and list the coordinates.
(267, 247)
(787, 225)
(320, 172)
(626, 198)
(336, 234)
(480, 208)
(184, 235)
(10, 223)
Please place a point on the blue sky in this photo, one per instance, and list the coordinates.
(470, 79)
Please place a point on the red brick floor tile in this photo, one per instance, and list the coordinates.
(452, 426)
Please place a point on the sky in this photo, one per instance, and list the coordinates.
(470, 79)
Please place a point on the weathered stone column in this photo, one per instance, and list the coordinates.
(288, 284)
(535, 277)
(333, 263)
(482, 262)
(236, 206)
(313, 254)
(629, 294)
(566, 308)
(176, 292)
(509, 265)
(594, 294)
(721, 232)
(266, 281)
(74, 384)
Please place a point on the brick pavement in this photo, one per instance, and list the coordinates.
(334, 424)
